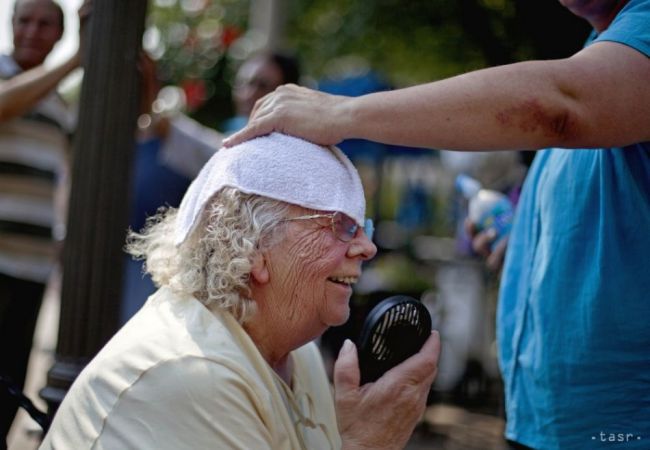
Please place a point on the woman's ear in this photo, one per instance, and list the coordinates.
(259, 270)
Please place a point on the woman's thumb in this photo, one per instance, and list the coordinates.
(346, 369)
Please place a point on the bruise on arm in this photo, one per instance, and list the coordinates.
(530, 116)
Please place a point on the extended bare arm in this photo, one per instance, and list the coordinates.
(598, 97)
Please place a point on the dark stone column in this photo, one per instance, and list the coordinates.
(98, 214)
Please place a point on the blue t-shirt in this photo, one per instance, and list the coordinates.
(574, 308)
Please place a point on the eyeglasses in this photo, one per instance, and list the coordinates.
(343, 226)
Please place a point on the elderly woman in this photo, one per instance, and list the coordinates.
(258, 261)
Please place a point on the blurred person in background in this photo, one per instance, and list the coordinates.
(257, 262)
(259, 75)
(170, 150)
(35, 130)
(572, 324)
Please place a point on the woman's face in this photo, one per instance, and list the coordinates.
(311, 272)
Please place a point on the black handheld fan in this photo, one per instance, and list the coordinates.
(394, 330)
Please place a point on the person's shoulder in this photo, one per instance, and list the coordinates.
(197, 373)
(630, 27)
(168, 330)
(179, 403)
(187, 332)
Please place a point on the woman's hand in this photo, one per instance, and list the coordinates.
(298, 111)
(382, 415)
(482, 245)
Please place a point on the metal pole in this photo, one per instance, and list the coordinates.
(98, 213)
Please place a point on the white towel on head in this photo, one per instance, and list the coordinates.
(280, 167)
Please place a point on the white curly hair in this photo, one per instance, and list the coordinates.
(214, 263)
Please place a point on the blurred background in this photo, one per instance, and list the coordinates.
(201, 42)
(352, 48)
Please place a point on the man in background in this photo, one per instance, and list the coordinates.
(35, 129)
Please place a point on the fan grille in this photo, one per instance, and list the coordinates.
(394, 330)
(401, 316)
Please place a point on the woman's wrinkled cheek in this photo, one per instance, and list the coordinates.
(308, 266)
(307, 254)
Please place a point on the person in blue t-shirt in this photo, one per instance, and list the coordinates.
(574, 340)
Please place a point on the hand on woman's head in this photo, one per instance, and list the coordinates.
(297, 111)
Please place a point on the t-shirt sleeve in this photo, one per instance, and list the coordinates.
(630, 27)
(189, 403)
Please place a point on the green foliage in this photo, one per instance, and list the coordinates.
(408, 42)
(190, 37)
(191, 41)
(411, 42)
(417, 41)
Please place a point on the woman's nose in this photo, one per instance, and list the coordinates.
(362, 246)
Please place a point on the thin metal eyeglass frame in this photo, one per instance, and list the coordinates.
(368, 226)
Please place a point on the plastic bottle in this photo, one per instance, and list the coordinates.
(487, 209)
